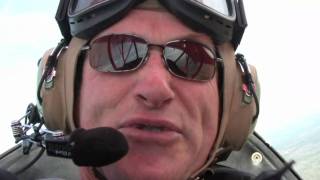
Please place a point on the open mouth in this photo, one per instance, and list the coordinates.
(154, 126)
(151, 128)
(151, 131)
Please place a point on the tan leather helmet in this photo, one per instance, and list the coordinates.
(239, 109)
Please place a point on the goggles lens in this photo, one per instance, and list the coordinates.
(77, 6)
(121, 53)
(220, 6)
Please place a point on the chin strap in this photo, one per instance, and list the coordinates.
(98, 174)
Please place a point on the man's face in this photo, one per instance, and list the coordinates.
(170, 123)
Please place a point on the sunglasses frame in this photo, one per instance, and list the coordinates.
(216, 56)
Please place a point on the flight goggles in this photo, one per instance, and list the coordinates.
(123, 52)
(223, 20)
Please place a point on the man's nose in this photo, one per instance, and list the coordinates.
(153, 88)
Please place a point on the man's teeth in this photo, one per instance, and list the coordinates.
(151, 128)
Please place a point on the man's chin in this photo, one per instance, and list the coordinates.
(143, 171)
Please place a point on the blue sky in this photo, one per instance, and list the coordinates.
(282, 41)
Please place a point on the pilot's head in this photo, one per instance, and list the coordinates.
(163, 73)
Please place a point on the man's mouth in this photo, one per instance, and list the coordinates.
(150, 130)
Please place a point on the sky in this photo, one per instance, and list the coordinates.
(282, 41)
(25, 33)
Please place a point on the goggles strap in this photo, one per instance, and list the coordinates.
(240, 25)
(62, 20)
(98, 174)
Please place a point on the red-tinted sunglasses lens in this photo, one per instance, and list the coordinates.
(116, 53)
(190, 60)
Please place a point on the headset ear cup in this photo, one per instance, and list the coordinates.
(58, 95)
(52, 105)
(241, 118)
(254, 75)
(41, 68)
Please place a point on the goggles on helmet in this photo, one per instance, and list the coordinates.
(223, 20)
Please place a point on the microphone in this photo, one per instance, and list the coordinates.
(94, 147)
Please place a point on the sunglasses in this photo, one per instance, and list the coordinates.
(122, 53)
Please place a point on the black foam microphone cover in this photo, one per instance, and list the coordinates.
(97, 147)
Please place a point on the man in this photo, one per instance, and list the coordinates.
(170, 123)
(172, 88)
